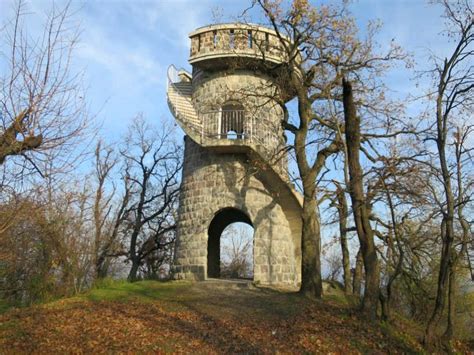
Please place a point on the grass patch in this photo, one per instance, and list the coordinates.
(9, 325)
(144, 291)
(334, 293)
(109, 290)
(404, 332)
(4, 306)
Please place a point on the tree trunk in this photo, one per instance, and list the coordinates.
(372, 281)
(311, 281)
(101, 269)
(360, 209)
(466, 233)
(443, 280)
(358, 274)
(343, 212)
(391, 254)
(132, 276)
(449, 333)
(385, 307)
(447, 227)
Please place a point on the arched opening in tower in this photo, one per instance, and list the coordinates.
(230, 245)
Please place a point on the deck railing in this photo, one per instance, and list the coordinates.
(237, 125)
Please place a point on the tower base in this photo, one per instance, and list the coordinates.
(222, 188)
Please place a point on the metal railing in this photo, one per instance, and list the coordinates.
(179, 93)
(237, 125)
(173, 75)
(226, 124)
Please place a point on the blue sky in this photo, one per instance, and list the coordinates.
(126, 46)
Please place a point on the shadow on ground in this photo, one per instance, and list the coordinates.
(182, 317)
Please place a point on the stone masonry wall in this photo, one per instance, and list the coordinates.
(254, 91)
(212, 182)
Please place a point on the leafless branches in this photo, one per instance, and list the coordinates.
(453, 78)
(152, 164)
(42, 107)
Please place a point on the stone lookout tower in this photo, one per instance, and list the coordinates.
(234, 166)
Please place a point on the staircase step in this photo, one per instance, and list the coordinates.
(179, 97)
(229, 283)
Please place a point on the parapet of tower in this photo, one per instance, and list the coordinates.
(235, 165)
(231, 41)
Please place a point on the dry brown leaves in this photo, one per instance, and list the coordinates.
(213, 323)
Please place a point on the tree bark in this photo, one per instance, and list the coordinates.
(132, 276)
(392, 275)
(358, 274)
(360, 210)
(311, 281)
(449, 333)
(447, 225)
(342, 213)
(9, 142)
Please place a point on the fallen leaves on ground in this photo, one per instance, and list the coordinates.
(200, 319)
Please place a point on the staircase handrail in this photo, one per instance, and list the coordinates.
(173, 78)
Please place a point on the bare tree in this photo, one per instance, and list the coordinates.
(42, 110)
(453, 100)
(340, 202)
(108, 211)
(465, 192)
(360, 208)
(152, 163)
(334, 265)
(321, 45)
(237, 252)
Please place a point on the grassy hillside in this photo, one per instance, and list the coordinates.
(211, 317)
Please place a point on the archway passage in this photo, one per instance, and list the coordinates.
(219, 223)
(236, 257)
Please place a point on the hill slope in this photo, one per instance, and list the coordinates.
(206, 317)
